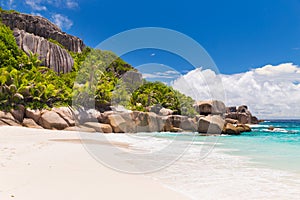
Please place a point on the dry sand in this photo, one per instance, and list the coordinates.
(54, 165)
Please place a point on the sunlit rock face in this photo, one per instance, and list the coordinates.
(51, 55)
(42, 27)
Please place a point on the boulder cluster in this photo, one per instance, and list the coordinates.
(216, 118)
(241, 114)
(126, 121)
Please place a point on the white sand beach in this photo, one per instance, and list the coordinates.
(53, 165)
(42, 164)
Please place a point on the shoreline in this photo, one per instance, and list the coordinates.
(35, 166)
(55, 164)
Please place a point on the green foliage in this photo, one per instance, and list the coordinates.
(22, 81)
(153, 93)
(8, 11)
(56, 42)
(38, 87)
(10, 54)
(96, 74)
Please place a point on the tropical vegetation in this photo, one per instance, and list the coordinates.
(94, 81)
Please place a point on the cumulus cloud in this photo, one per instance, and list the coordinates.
(62, 21)
(269, 91)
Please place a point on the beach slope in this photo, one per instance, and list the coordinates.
(42, 164)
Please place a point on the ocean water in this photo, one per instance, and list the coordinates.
(261, 164)
(278, 148)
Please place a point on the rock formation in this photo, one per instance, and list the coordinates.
(213, 107)
(65, 118)
(215, 118)
(51, 55)
(211, 124)
(242, 114)
(42, 27)
(32, 34)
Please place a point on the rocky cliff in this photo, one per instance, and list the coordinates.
(50, 54)
(42, 27)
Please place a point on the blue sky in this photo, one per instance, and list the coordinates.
(255, 44)
(239, 35)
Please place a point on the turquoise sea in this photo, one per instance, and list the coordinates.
(261, 164)
(279, 148)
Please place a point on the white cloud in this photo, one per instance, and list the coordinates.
(269, 91)
(63, 3)
(170, 74)
(36, 5)
(62, 21)
(72, 4)
(41, 5)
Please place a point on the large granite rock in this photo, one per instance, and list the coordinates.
(67, 114)
(147, 122)
(9, 122)
(213, 107)
(101, 128)
(42, 27)
(122, 123)
(30, 123)
(18, 113)
(211, 124)
(52, 120)
(6, 115)
(231, 129)
(51, 55)
(33, 114)
(242, 114)
(82, 116)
